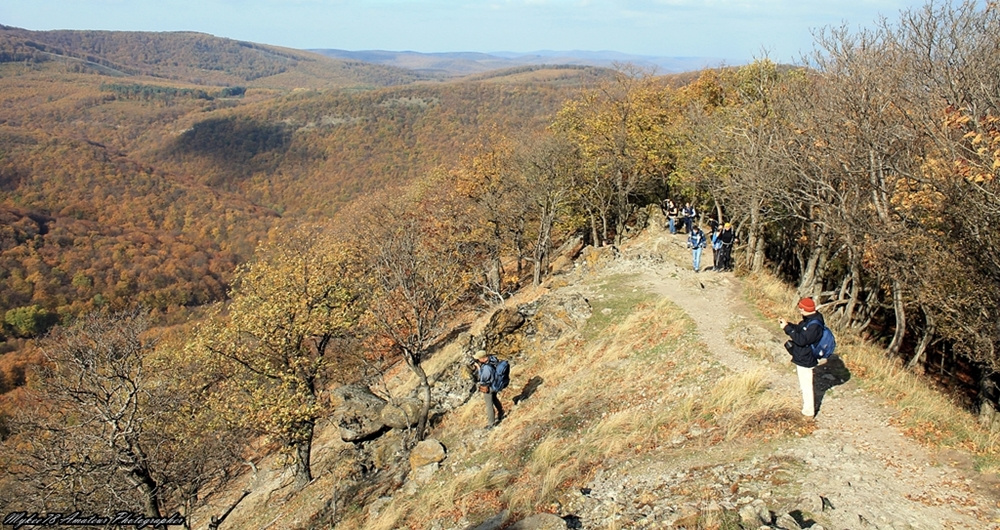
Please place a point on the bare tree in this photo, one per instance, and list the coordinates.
(418, 270)
(107, 429)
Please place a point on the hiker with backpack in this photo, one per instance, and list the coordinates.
(716, 246)
(494, 376)
(697, 244)
(809, 341)
(690, 215)
(672, 212)
(726, 239)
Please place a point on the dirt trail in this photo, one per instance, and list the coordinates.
(872, 475)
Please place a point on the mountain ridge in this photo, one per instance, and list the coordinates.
(465, 63)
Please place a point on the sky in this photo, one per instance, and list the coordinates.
(732, 30)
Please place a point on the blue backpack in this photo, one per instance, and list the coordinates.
(501, 374)
(823, 349)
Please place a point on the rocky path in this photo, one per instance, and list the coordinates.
(870, 475)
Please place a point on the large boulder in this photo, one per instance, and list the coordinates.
(555, 315)
(403, 414)
(562, 258)
(501, 336)
(506, 320)
(357, 412)
(429, 451)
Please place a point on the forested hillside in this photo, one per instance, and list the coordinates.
(195, 58)
(119, 188)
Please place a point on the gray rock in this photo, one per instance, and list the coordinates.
(755, 514)
(555, 315)
(402, 414)
(422, 475)
(540, 521)
(562, 258)
(811, 503)
(429, 451)
(357, 412)
(493, 523)
(787, 522)
(506, 320)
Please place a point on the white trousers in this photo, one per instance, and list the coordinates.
(806, 384)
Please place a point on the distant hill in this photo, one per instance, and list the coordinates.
(465, 63)
(145, 166)
(196, 58)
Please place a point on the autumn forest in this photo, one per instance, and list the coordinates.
(198, 235)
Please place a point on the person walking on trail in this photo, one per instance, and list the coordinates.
(716, 247)
(494, 411)
(801, 338)
(697, 243)
(689, 214)
(672, 212)
(727, 237)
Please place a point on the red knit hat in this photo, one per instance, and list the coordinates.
(807, 305)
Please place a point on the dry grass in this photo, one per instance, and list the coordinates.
(927, 415)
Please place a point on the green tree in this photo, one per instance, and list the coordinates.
(276, 344)
(29, 321)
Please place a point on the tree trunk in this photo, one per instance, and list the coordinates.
(757, 263)
(853, 300)
(425, 390)
(925, 340)
(753, 237)
(594, 239)
(303, 463)
(141, 477)
(900, 310)
(817, 255)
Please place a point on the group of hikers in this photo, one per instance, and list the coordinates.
(722, 238)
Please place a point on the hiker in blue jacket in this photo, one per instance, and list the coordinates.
(801, 338)
(716, 246)
(494, 411)
(697, 243)
(689, 214)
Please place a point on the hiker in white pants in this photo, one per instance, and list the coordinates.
(799, 346)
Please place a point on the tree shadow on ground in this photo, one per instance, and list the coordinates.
(828, 375)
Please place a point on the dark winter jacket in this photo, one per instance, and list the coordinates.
(727, 236)
(802, 338)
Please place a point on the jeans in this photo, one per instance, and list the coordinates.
(672, 223)
(696, 254)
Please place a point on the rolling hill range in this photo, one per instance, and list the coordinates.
(145, 166)
(195, 58)
(465, 63)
